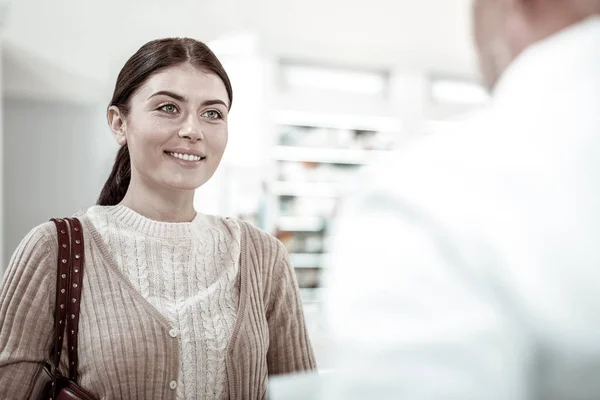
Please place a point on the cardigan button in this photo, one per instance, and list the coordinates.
(173, 333)
(173, 385)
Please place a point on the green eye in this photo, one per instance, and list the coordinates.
(212, 114)
(169, 108)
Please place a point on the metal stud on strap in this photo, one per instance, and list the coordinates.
(76, 277)
(70, 262)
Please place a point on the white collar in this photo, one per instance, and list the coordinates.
(550, 65)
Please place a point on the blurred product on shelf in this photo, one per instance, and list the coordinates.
(322, 207)
(370, 140)
(309, 136)
(308, 277)
(315, 172)
(302, 242)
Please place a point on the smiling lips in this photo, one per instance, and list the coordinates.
(185, 157)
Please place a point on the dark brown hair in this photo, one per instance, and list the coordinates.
(149, 59)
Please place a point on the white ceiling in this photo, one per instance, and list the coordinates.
(419, 34)
(87, 42)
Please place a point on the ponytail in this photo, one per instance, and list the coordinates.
(118, 182)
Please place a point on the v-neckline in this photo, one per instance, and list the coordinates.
(111, 263)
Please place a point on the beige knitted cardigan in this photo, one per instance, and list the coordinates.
(125, 349)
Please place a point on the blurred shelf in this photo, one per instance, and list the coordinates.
(301, 224)
(337, 121)
(311, 295)
(316, 189)
(325, 155)
(307, 260)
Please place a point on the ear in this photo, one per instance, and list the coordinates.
(118, 124)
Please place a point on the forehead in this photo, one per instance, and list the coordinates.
(186, 80)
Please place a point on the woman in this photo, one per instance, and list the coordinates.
(175, 303)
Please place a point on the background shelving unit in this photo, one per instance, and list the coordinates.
(315, 156)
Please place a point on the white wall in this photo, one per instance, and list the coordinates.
(56, 158)
(4, 15)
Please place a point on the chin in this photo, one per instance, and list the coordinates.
(186, 182)
(185, 186)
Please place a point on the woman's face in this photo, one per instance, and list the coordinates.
(176, 129)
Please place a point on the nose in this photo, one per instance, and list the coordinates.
(191, 130)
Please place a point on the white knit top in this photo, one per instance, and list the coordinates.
(188, 272)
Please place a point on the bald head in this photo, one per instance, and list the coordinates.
(504, 28)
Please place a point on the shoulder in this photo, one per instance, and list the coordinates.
(260, 241)
(261, 251)
(42, 236)
(36, 252)
(268, 258)
(431, 160)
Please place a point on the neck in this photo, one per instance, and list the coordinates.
(553, 20)
(160, 204)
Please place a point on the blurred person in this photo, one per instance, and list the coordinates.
(467, 266)
(175, 303)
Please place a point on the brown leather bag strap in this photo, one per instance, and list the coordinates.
(74, 299)
(62, 283)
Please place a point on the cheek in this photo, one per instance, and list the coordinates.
(150, 134)
(218, 137)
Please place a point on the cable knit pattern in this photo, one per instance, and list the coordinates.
(193, 286)
(125, 347)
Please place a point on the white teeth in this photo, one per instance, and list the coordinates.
(186, 157)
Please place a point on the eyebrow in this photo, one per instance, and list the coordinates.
(183, 99)
(170, 94)
(213, 102)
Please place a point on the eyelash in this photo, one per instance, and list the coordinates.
(161, 108)
(219, 114)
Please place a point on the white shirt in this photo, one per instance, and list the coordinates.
(469, 268)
